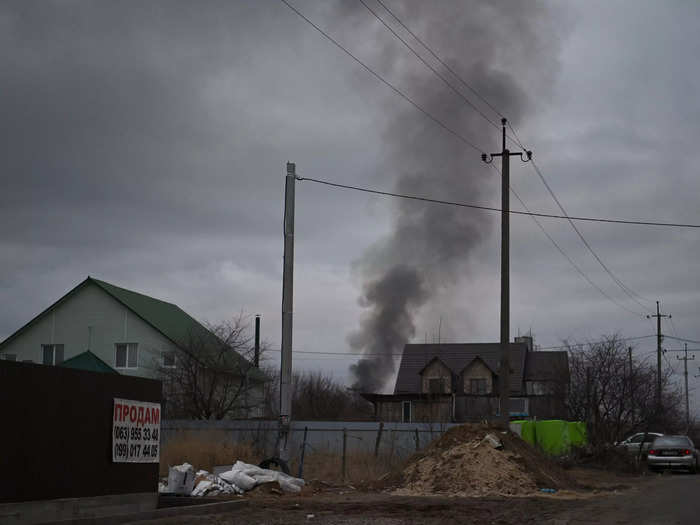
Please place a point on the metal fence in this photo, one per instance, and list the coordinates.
(396, 440)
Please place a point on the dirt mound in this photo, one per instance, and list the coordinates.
(462, 463)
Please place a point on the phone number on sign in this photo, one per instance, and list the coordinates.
(135, 434)
(125, 450)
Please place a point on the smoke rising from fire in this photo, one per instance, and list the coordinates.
(495, 47)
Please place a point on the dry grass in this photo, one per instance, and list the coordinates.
(204, 450)
(360, 467)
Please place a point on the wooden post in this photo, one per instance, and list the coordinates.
(417, 440)
(379, 439)
(345, 444)
(303, 450)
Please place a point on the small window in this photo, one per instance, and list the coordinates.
(169, 359)
(477, 386)
(637, 439)
(10, 357)
(436, 385)
(406, 412)
(52, 354)
(126, 355)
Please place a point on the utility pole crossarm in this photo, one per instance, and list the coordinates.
(504, 369)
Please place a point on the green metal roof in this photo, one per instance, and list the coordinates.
(88, 361)
(171, 321)
(167, 318)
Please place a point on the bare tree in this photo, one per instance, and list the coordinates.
(615, 396)
(211, 376)
(317, 396)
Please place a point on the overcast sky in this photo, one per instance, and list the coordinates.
(144, 143)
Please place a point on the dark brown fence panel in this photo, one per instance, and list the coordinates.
(56, 433)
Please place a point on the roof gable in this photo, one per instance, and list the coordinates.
(88, 361)
(457, 356)
(167, 318)
(433, 360)
(477, 359)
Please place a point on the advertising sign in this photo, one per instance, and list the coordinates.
(135, 432)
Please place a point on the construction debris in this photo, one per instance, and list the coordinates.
(241, 478)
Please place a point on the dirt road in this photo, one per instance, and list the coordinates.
(666, 499)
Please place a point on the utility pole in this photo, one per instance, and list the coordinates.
(504, 370)
(256, 355)
(629, 353)
(659, 338)
(685, 372)
(287, 309)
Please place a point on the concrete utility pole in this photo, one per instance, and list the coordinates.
(659, 339)
(685, 372)
(629, 354)
(504, 370)
(287, 308)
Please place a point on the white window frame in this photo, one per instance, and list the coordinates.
(53, 347)
(129, 346)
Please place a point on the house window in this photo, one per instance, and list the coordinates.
(436, 385)
(406, 412)
(53, 354)
(10, 357)
(169, 359)
(126, 355)
(477, 386)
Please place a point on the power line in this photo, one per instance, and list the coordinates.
(571, 262)
(425, 63)
(448, 68)
(394, 354)
(682, 339)
(633, 295)
(384, 81)
(491, 208)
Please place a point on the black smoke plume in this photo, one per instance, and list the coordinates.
(495, 47)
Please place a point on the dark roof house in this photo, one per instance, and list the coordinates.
(460, 382)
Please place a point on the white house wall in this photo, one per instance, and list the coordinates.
(111, 323)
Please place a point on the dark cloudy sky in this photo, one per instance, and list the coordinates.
(144, 143)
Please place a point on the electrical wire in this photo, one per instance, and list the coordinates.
(384, 81)
(628, 291)
(426, 64)
(395, 354)
(492, 208)
(436, 57)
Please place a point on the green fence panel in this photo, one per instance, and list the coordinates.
(553, 436)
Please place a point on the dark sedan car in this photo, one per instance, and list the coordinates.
(673, 452)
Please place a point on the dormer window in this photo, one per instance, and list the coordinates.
(436, 378)
(477, 386)
(436, 385)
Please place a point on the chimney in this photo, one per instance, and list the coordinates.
(527, 339)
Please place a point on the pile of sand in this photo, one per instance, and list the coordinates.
(461, 463)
